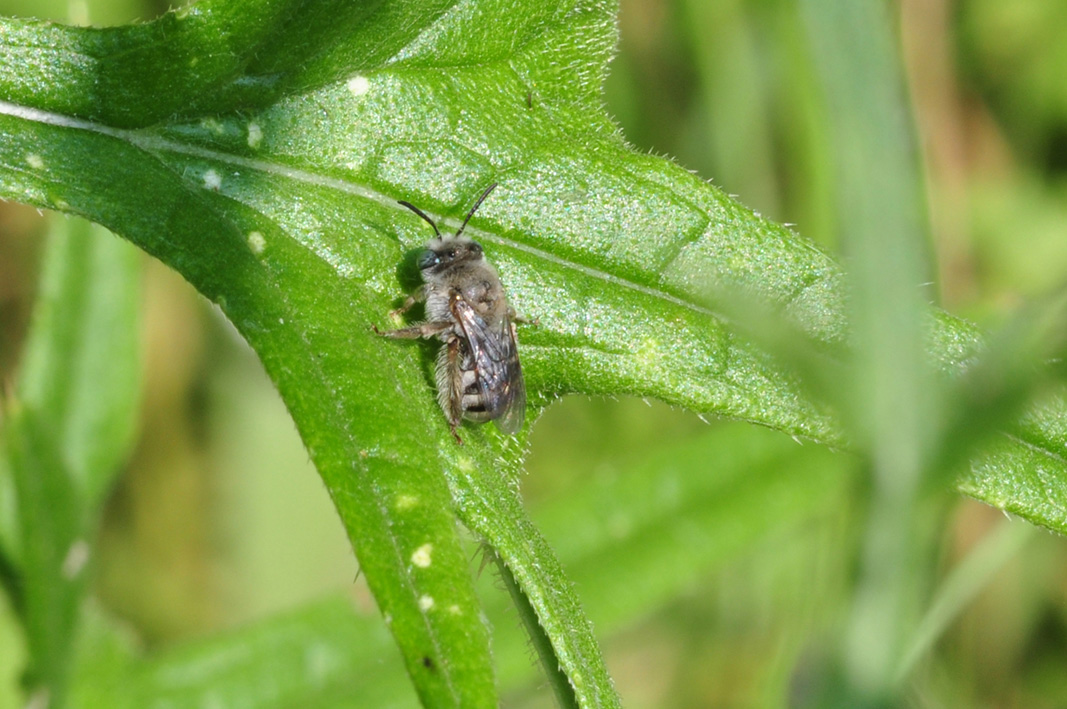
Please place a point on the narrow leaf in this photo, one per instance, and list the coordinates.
(618, 538)
(81, 366)
(325, 654)
(890, 397)
(70, 426)
(53, 551)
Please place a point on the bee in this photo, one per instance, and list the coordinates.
(478, 373)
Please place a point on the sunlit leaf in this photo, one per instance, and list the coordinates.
(259, 148)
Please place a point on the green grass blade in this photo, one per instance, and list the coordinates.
(618, 538)
(53, 551)
(82, 366)
(69, 429)
(891, 398)
(962, 585)
(325, 654)
(659, 529)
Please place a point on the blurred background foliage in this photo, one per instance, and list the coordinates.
(219, 518)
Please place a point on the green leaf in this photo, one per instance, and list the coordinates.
(964, 583)
(891, 396)
(633, 541)
(51, 526)
(81, 365)
(69, 427)
(259, 148)
(12, 654)
(325, 654)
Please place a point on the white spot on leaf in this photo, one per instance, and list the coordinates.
(255, 135)
(359, 85)
(77, 557)
(406, 502)
(34, 160)
(212, 180)
(425, 603)
(213, 125)
(423, 556)
(257, 242)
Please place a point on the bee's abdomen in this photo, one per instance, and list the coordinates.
(473, 401)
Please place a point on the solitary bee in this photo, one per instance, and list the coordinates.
(478, 372)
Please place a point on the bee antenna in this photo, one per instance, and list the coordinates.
(477, 204)
(422, 214)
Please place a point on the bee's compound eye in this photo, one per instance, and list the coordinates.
(426, 259)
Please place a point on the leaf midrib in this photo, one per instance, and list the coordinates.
(153, 143)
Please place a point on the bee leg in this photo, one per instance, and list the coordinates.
(455, 387)
(426, 329)
(516, 318)
(417, 297)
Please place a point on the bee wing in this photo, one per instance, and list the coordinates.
(496, 360)
(511, 420)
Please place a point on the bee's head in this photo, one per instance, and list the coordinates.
(442, 253)
(445, 251)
